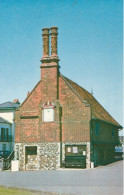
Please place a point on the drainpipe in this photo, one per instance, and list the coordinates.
(60, 137)
(91, 139)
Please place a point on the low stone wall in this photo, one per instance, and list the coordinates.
(47, 158)
(48, 155)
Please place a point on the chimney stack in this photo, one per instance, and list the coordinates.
(54, 34)
(48, 59)
(16, 101)
(45, 36)
(50, 66)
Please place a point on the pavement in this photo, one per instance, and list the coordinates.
(103, 180)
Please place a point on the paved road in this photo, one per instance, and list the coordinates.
(104, 180)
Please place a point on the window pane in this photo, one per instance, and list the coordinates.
(69, 149)
(75, 150)
(48, 115)
(31, 150)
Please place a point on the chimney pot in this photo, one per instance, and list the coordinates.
(16, 101)
(45, 35)
(28, 93)
(54, 34)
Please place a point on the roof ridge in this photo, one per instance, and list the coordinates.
(75, 83)
(71, 87)
(8, 102)
(8, 105)
(4, 103)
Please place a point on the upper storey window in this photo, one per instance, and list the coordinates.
(113, 132)
(97, 129)
(4, 134)
(48, 112)
(48, 115)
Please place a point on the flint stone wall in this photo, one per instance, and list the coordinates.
(47, 158)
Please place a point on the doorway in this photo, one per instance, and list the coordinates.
(30, 157)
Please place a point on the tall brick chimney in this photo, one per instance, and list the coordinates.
(50, 66)
(54, 34)
(45, 35)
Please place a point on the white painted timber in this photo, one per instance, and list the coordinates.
(15, 165)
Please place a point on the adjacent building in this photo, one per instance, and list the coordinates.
(7, 127)
(60, 124)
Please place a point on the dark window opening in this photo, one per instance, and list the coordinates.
(4, 134)
(97, 129)
(31, 150)
(113, 133)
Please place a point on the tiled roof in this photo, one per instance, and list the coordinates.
(9, 105)
(2, 120)
(98, 112)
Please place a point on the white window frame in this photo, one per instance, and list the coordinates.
(53, 117)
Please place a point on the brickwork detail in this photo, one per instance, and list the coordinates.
(75, 116)
(45, 42)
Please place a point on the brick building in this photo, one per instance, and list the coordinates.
(60, 123)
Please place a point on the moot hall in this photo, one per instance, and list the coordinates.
(60, 124)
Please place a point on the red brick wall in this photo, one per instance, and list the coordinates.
(27, 129)
(74, 115)
(33, 100)
(28, 118)
(49, 88)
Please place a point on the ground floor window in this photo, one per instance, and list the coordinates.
(75, 150)
(31, 150)
(75, 156)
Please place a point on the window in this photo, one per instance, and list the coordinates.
(31, 150)
(97, 129)
(113, 132)
(68, 149)
(4, 134)
(48, 115)
(75, 150)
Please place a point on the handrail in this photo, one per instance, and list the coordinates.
(7, 161)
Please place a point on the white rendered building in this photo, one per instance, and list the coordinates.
(7, 127)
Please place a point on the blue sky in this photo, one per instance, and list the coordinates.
(89, 46)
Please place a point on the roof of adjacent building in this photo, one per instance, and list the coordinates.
(2, 120)
(98, 112)
(9, 106)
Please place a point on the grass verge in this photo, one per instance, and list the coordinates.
(16, 191)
